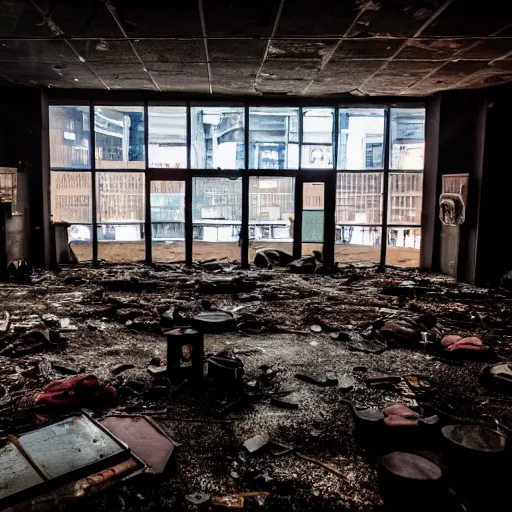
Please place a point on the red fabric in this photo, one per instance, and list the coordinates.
(456, 342)
(77, 391)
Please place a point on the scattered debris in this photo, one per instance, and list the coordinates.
(330, 468)
(290, 401)
(256, 443)
(328, 379)
(65, 368)
(198, 498)
(235, 501)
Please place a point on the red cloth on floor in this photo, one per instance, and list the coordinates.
(77, 391)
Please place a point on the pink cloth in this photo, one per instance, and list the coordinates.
(399, 415)
(452, 342)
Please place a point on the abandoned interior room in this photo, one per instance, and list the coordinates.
(255, 255)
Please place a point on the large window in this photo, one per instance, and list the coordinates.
(70, 137)
(407, 141)
(273, 138)
(317, 138)
(361, 138)
(119, 137)
(217, 137)
(120, 214)
(359, 193)
(167, 137)
(271, 213)
(218, 150)
(216, 217)
(167, 199)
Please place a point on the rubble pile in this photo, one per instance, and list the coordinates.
(302, 369)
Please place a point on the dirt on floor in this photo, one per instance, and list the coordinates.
(116, 314)
(175, 251)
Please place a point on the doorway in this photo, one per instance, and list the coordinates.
(167, 217)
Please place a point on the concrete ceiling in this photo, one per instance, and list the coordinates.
(294, 47)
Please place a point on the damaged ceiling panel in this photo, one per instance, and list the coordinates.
(273, 46)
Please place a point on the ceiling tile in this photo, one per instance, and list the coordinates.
(326, 18)
(154, 18)
(313, 49)
(489, 49)
(127, 76)
(236, 49)
(171, 50)
(81, 18)
(397, 76)
(232, 17)
(394, 18)
(366, 49)
(17, 18)
(36, 51)
(279, 86)
(288, 69)
(436, 49)
(181, 83)
(105, 51)
(463, 18)
(68, 75)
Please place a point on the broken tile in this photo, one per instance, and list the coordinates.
(290, 401)
(256, 443)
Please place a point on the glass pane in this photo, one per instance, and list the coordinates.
(168, 220)
(121, 242)
(403, 247)
(216, 217)
(359, 198)
(71, 198)
(316, 156)
(357, 244)
(217, 137)
(313, 215)
(119, 136)
(407, 138)
(317, 125)
(361, 138)
(120, 212)
(273, 138)
(405, 198)
(80, 241)
(120, 197)
(70, 137)
(271, 214)
(168, 137)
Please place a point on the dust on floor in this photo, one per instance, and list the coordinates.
(212, 459)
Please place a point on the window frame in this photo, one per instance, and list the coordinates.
(301, 174)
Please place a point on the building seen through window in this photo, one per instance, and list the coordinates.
(277, 141)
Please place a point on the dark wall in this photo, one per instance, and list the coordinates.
(494, 236)
(21, 147)
(474, 133)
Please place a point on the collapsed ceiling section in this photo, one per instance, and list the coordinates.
(299, 47)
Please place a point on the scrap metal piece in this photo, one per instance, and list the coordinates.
(145, 439)
(234, 501)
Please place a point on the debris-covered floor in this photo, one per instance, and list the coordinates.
(109, 322)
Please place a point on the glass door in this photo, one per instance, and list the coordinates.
(167, 200)
(313, 217)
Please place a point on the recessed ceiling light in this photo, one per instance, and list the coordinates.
(75, 79)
